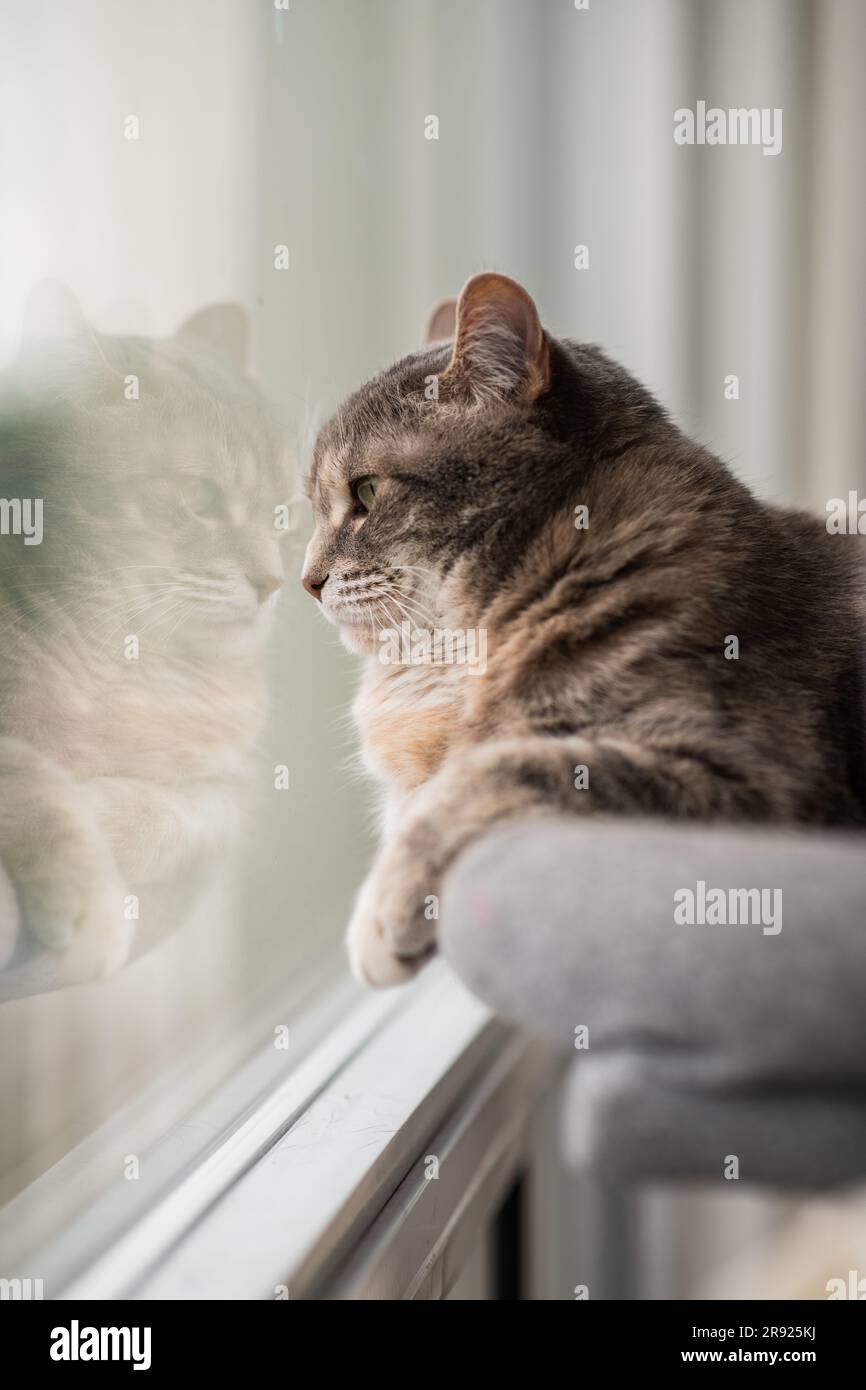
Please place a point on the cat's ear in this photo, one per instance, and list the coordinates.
(225, 331)
(442, 322)
(52, 314)
(500, 347)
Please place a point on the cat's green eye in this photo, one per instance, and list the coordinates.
(364, 490)
(202, 497)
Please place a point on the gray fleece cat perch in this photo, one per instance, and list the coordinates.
(704, 1040)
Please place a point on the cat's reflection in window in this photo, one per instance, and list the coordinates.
(144, 489)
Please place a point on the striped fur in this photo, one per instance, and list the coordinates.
(606, 645)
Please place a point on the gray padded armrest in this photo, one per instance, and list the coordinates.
(704, 1041)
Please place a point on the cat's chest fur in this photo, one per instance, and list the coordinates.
(409, 718)
(161, 724)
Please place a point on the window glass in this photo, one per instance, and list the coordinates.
(243, 211)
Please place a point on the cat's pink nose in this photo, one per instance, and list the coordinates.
(265, 585)
(314, 585)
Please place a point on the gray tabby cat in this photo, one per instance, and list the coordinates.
(659, 641)
(132, 681)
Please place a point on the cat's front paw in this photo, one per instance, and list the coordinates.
(392, 931)
(70, 894)
(78, 917)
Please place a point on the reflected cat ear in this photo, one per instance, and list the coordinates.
(52, 314)
(501, 348)
(441, 323)
(223, 330)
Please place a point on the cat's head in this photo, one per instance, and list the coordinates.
(430, 482)
(162, 474)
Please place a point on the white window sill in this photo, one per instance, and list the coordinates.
(318, 1186)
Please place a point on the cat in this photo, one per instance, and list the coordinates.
(658, 640)
(132, 679)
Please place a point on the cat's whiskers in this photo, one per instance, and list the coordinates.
(392, 620)
(402, 590)
(122, 612)
(412, 610)
(174, 605)
(123, 604)
(179, 624)
(174, 615)
(381, 606)
(412, 621)
(126, 618)
(377, 595)
(127, 609)
(414, 604)
(143, 627)
(50, 612)
(133, 596)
